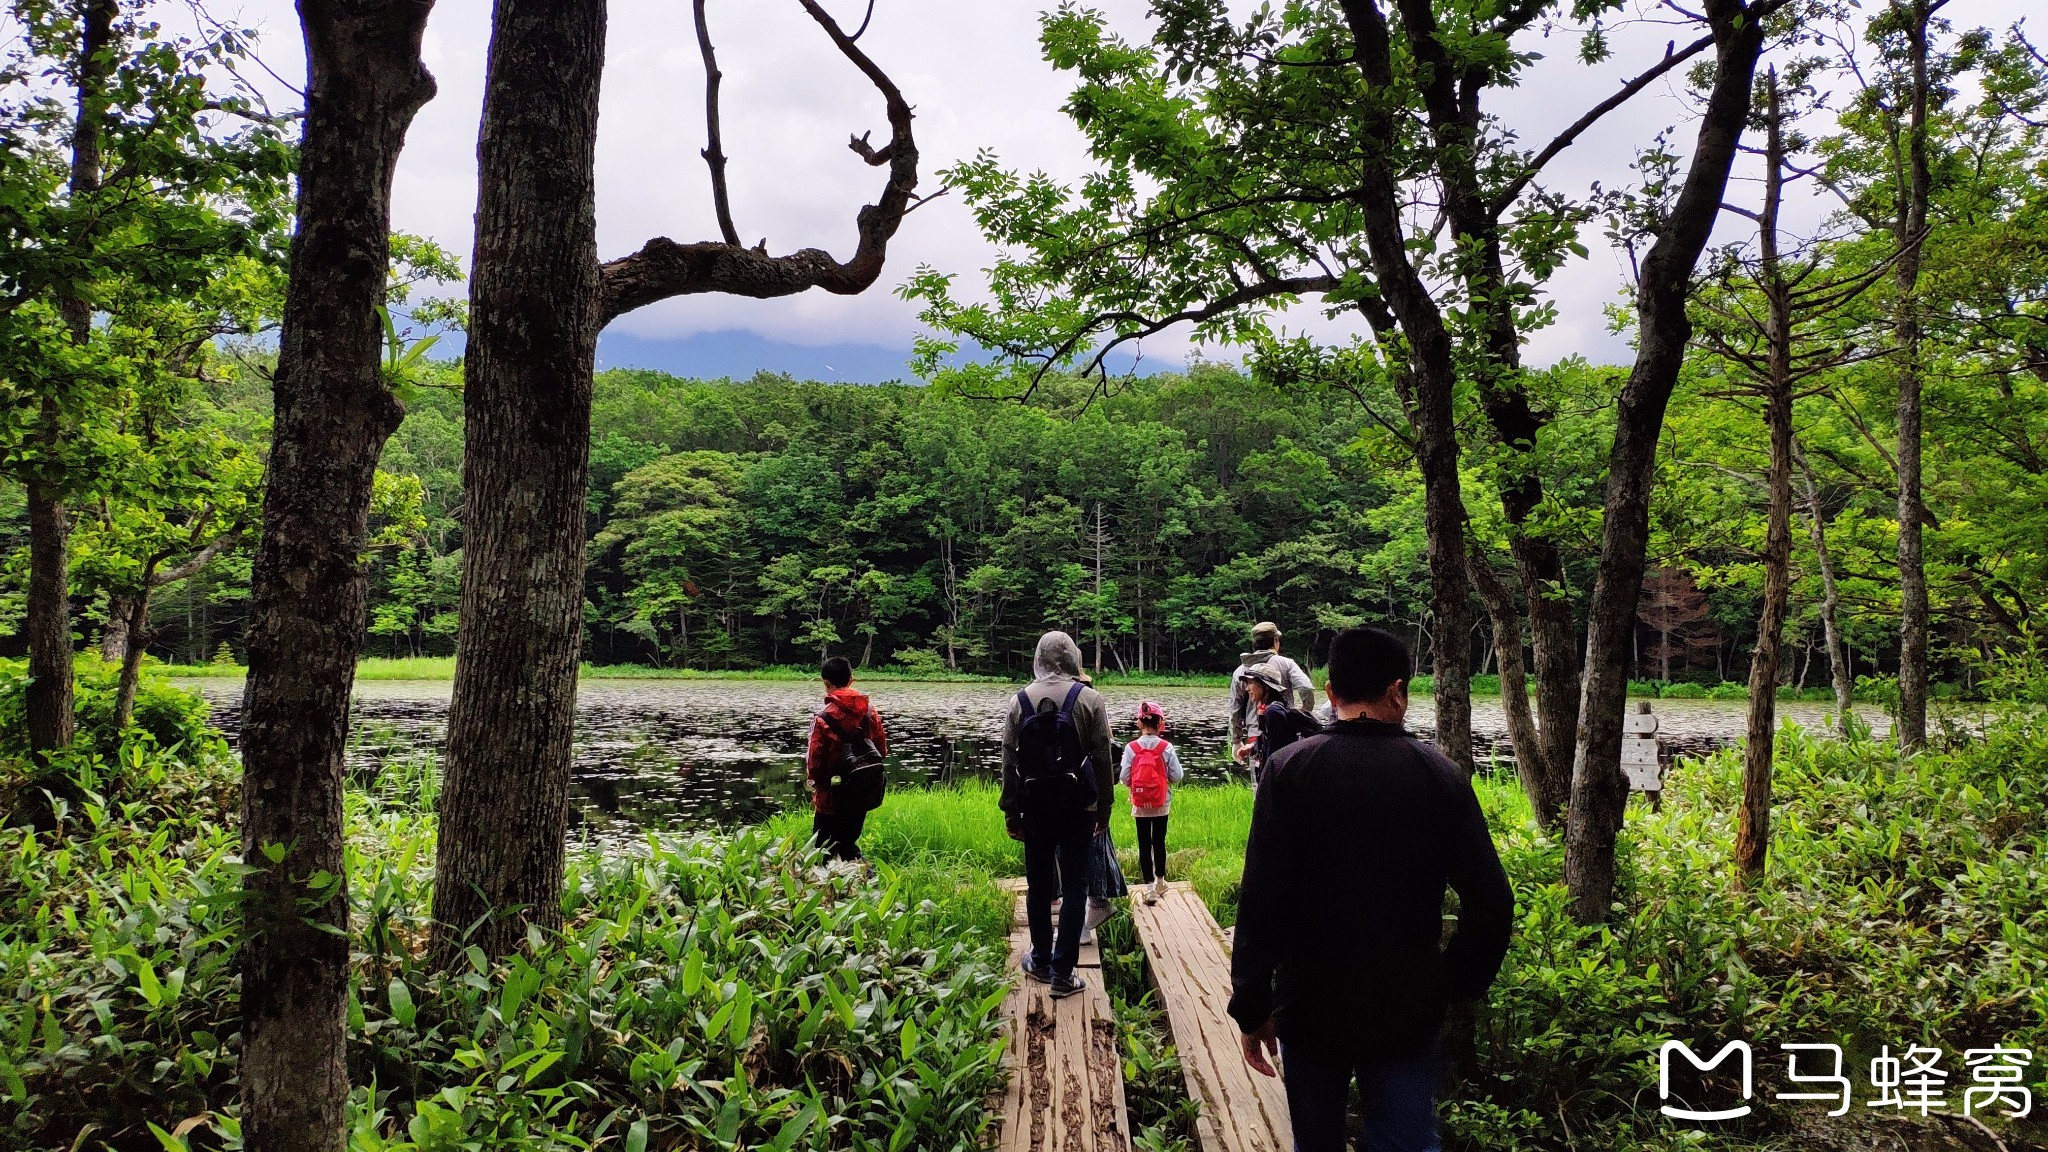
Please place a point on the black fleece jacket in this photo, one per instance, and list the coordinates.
(1356, 833)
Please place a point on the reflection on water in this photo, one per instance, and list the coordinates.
(682, 753)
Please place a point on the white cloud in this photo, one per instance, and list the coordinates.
(973, 70)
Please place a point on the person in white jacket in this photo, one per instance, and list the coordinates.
(1150, 770)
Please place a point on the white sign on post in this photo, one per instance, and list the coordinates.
(1641, 759)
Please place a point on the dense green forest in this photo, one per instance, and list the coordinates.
(1814, 458)
(737, 524)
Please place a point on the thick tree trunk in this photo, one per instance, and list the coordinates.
(537, 301)
(1831, 596)
(534, 320)
(1430, 384)
(1911, 230)
(1599, 795)
(1450, 587)
(333, 414)
(47, 612)
(1753, 830)
(1546, 798)
(48, 621)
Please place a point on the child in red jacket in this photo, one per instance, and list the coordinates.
(1150, 770)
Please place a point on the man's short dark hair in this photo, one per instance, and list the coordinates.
(837, 672)
(1365, 663)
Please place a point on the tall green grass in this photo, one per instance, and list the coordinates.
(958, 829)
(704, 992)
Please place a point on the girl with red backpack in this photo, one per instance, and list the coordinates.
(1150, 770)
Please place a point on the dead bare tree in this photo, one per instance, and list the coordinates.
(1767, 324)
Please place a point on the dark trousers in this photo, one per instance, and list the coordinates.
(1398, 1098)
(838, 834)
(1056, 867)
(1152, 847)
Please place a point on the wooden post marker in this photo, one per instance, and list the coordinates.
(1641, 757)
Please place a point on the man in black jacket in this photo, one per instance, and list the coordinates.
(1356, 832)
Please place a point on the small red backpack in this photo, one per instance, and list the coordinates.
(1148, 775)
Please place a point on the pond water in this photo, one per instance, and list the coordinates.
(684, 753)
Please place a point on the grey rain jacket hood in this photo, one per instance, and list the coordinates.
(1057, 655)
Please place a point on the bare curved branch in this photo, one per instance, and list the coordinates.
(714, 150)
(862, 30)
(1138, 326)
(663, 267)
(1565, 139)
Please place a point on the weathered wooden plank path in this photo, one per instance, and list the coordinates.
(1240, 1110)
(1066, 1083)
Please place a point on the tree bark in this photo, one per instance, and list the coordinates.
(1831, 595)
(137, 633)
(333, 414)
(47, 611)
(1911, 229)
(1452, 101)
(48, 699)
(114, 633)
(1753, 831)
(1431, 374)
(1599, 795)
(1541, 785)
(538, 298)
(533, 325)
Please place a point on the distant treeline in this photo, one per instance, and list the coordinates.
(745, 524)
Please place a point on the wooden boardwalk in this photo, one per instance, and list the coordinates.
(1241, 1111)
(1066, 1083)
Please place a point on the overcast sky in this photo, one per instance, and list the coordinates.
(973, 71)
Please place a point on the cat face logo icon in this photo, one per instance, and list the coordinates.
(1733, 1047)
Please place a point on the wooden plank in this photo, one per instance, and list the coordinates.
(1239, 1110)
(1065, 1091)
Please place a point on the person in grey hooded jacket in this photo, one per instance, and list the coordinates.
(1058, 844)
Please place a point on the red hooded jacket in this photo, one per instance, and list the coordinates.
(846, 711)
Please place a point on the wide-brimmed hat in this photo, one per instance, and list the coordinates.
(1267, 675)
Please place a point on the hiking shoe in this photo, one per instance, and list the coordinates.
(1036, 972)
(1065, 986)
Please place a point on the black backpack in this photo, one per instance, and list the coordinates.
(1283, 725)
(859, 776)
(1055, 776)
